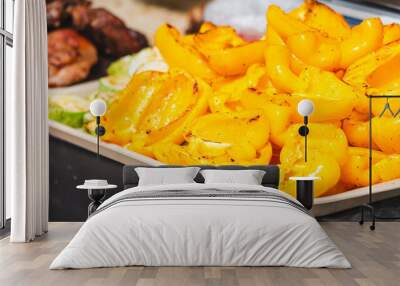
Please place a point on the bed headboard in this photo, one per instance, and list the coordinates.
(271, 177)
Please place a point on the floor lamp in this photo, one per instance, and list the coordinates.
(305, 185)
(305, 108)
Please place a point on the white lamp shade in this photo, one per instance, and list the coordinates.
(98, 107)
(305, 107)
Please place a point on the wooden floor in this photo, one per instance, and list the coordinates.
(375, 257)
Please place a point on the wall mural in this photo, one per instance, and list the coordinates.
(216, 95)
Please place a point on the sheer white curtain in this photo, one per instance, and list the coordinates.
(26, 124)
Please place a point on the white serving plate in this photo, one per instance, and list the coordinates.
(322, 206)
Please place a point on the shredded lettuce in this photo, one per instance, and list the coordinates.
(121, 66)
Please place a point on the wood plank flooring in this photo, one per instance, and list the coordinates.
(375, 257)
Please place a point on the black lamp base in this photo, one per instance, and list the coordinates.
(305, 193)
(370, 208)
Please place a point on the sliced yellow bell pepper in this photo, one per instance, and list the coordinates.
(212, 139)
(120, 121)
(316, 50)
(367, 72)
(391, 33)
(356, 170)
(206, 26)
(272, 38)
(179, 54)
(278, 60)
(237, 85)
(297, 65)
(365, 38)
(174, 154)
(388, 168)
(227, 53)
(383, 77)
(326, 91)
(177, 117)
(156, 107)
(191, 155)
(277, 111)
(283, 23)
(357, 74)
(386, 134)
(217, 38)
(324, 138)
(252, 125)
(356, 128)
(322, 18)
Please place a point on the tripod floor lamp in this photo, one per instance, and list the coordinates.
(386, 109)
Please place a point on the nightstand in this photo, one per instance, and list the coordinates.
(96, 192)
(305, 190)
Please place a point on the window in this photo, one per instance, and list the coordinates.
(6, 43)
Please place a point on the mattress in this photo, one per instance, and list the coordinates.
(201, 225)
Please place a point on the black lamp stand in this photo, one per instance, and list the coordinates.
(303, 131)
(100, 131)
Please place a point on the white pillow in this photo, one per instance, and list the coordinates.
(248, 177)
(166, 176)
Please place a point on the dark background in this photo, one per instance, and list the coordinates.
(71, 165)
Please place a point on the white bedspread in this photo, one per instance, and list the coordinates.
(185, 231)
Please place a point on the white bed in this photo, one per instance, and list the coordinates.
(246, 225)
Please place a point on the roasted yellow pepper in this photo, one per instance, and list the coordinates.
(278, 60)
(356, 129)
(319, 46)
(230, 91)
(322, 38)
(356, 170)
(180, 54)
(316, 50)
(272, 38)
(365, 38)
(386, 134)
(358, 73)
(245, 111)
(284, 24)
(322, 18)
(120, 121)
(324, 138)
(276, 110)
(191, 154)
(252, 125)
(386, 78)
(226, 52)
(156, 107)
(213, 139)
(325, 90)
(391, 33)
